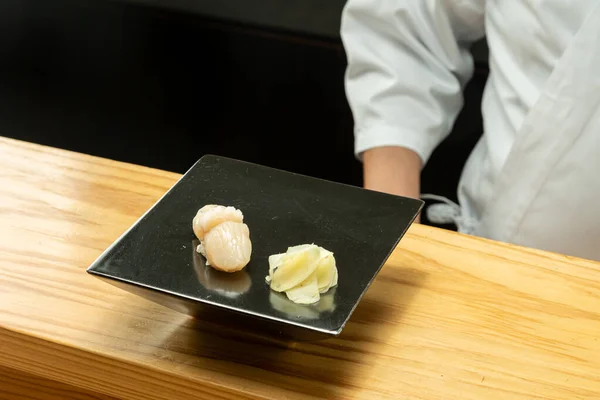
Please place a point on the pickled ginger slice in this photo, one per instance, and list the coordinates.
(294, 268)
(307, 292)
(326, 271)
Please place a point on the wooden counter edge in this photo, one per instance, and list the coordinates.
(17, 385)
(98, 373)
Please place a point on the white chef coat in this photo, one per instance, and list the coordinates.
(408, 61)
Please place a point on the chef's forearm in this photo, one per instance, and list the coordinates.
(394, 170)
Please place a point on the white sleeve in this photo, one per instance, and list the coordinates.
(408, 61)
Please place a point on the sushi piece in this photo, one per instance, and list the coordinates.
(212, 215)
(224, 238)
(227, 246)
(228, 285)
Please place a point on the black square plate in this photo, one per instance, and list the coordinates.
(156, 257)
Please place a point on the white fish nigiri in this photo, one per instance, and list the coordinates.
(227, 246)
(212, 215)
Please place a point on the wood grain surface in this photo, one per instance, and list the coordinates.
(449, 316)
(16, 385)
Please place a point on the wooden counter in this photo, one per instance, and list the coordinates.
(449, 317)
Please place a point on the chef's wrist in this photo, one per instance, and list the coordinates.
(392, 169)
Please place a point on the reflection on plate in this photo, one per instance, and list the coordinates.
(224, 283)
(281, 303)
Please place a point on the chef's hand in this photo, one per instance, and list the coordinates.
(394, 170)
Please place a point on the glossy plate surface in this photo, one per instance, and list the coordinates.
(281, 209)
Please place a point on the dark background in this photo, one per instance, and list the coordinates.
(160, 83)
